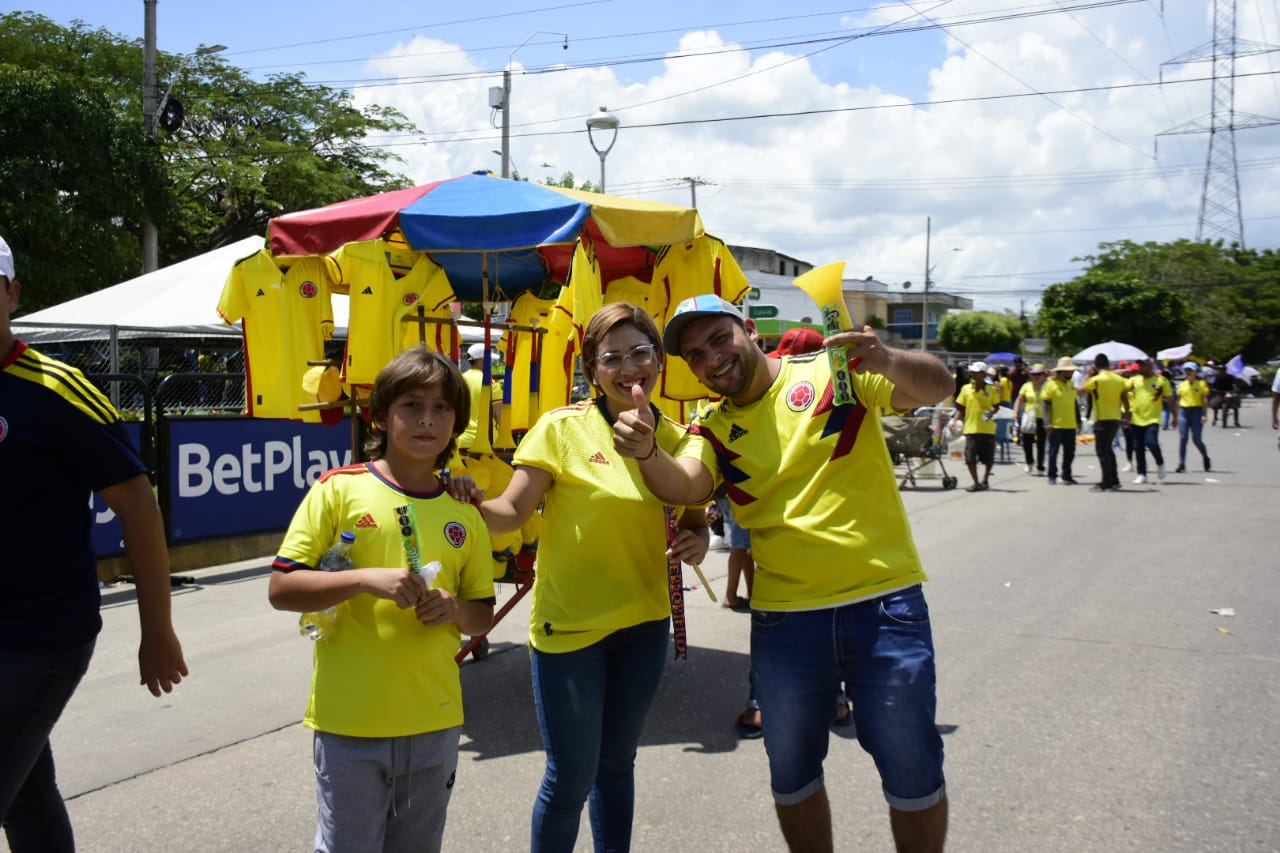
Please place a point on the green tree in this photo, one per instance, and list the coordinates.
(1102, 305)
(980, 331)
(1232, 297)
(79, 172)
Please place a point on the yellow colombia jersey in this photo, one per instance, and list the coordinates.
(1006, 389)
(1107, 390)
(1061, 397)
(1146, 398)
(380, 300)
(814, 484)
(1030, 398)
(1192, 393)
(602, 562)
(976, 404)
(383, 673)
(287, 317)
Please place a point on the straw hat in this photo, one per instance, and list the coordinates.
(1065, 363)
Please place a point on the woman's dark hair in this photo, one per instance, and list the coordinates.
(410, 370)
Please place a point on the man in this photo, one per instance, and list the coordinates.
(1061, 419)
(1107, 390)
(814, 484)
(61, 440)
(976, 407)
(1225, 398)
(1147, 392)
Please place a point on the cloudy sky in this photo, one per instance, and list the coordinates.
(1027, 131)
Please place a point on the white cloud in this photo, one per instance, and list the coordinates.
(857, 185)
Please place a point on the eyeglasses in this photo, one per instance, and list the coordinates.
(639, 357)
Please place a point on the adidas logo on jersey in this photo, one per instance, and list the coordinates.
(366, 522)
(598, 458)
(736, 432)
(368, 291)
(260, 292)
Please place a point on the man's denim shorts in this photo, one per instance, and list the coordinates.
(881, 652)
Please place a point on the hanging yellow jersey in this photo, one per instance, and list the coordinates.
(286, 317)
(381, 300)
(518, 390)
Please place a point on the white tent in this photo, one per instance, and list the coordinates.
(180, 300)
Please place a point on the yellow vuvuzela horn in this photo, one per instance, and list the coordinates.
(824, 287)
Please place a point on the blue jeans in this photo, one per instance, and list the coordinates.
(36, 687)
(1147, 438)
(591, 707)
(882, 651)
(1065, 439)
(1190, 420)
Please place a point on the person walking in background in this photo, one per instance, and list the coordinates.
(837, 596)
(1028, 400)
(386, 695)
(61, 440)
(1061, 419)
(1191, 414)
(1147, 392)
(1108, 394)
(601, 613)
(976, 406)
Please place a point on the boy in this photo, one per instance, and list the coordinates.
(386, 698)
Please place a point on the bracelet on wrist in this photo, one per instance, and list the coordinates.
(652, 450)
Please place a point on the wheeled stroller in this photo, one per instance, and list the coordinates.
(917, 440)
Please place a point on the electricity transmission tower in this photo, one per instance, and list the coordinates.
(1220, 214)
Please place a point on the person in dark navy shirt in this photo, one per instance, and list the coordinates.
(60, 441)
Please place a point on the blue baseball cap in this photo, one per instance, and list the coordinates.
(693, 308)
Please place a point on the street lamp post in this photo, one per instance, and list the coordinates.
(924, 303)
(602, 121)
(151, 111)
(505, 96)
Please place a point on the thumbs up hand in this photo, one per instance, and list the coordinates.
(633, 432)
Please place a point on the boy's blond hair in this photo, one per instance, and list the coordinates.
(410, 370)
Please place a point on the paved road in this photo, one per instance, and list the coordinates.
(1090, 698)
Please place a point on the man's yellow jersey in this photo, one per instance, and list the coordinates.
(815, 485)
(1107, 390)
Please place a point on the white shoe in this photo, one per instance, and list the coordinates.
(1026, 468)
(1139, 480)
(717, 543)
(1160, 471)
(1128, 466)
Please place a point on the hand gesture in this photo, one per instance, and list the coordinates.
(160, 661)
(689, 547)
(865, 351)
(463, 488)
(437, 607)
(399, 585)
(633, 432)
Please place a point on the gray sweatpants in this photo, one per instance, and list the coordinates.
(383, 794)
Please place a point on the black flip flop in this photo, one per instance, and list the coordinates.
(747, 731)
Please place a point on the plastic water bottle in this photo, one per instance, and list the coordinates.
(319, 625)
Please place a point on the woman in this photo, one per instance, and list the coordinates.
(1190, 415)
(1029, 399)
(600, 613)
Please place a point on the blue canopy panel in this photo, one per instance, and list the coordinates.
(510, 273)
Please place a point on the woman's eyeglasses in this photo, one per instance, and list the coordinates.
(639, 357)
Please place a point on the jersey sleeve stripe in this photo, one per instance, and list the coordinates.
(68, 383)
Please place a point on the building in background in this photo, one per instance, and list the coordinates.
(776, 304)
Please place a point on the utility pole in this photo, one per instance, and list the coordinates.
(924, 303)
(150, 242)
(694, 183)
(502, 100)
